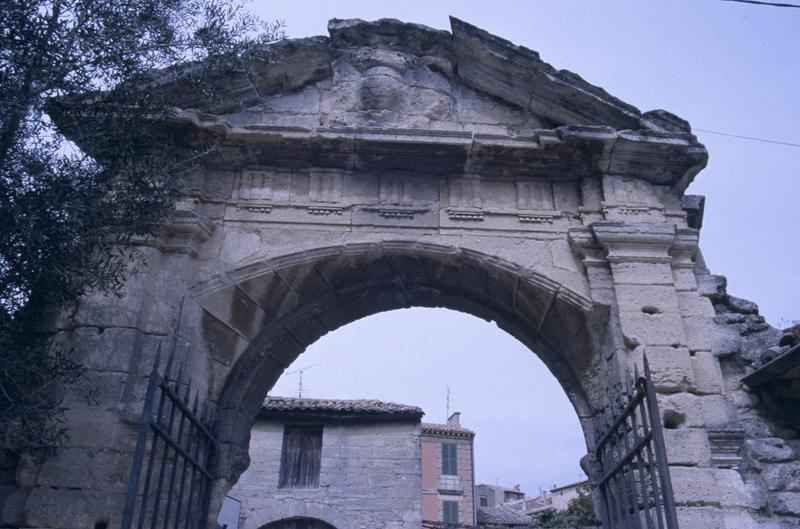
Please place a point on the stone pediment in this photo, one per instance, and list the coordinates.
(408, 97)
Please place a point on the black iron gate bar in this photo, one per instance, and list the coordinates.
(186, 449)
(634, 484)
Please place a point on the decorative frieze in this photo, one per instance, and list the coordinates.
(325, 210)
(396, 213)
(536, 193)
(254, 207)
(325, 186)
(536, 218)
(465, 214)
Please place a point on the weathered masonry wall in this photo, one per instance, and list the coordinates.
(390, 165)
(369, 477)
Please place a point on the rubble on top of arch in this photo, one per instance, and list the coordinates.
(385, 93)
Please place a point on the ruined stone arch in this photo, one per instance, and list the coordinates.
(288, 303)
(389, 165)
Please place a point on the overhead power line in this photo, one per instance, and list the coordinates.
(760, 3)
(751, 138)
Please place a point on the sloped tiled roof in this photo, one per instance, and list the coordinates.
(501, 515)
(338, 409)
(446, 429)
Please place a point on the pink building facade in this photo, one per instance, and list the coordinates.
(448, 473)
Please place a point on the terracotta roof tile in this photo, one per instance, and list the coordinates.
(282, 406)
(502, 515)
(446, 429)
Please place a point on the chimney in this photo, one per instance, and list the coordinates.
(454, 419)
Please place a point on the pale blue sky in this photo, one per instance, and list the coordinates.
(724, 66)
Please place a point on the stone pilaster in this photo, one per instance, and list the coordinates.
(662, 314)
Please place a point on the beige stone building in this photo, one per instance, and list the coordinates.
(350, 464)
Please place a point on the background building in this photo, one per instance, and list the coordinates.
(341, 463)
(491, 495)
(562, 495)
(448, 473)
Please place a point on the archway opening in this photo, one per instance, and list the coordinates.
(528, 436)
(284, 306)
(443, 361)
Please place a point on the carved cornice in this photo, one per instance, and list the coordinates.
(640, 243)
(569, 151)
(183, 232)
(726, 446)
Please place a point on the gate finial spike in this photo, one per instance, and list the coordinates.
(628, 385)
(636, 372)
(646, 365)
(157, 361)
(179, 379)
(188, 391)
(168, 369)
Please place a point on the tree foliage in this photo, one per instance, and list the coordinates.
(579, 513)
(65, 213)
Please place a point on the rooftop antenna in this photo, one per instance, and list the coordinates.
(300, 371)
(448, 402)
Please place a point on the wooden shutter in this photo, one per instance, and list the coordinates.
(449, 459)
(301, 456)
(450, 511)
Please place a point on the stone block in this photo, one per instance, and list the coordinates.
(12, 507)
(641, 273)
(707, 373)
(708, 486)
(698, 411)
(770, 450)
(738, 519)
(223, 342)
(687, 446)
(106, 387)
(784, 476)
(786, 503)
(692, 304)
(659, 329)
(98, 468)
(684, 279)
(670, 367)
(113, 348)
(657, 299)
(233, 307)
(699, 333)
(95, 427)
(698, 320)
(73, 509)
(700, 518)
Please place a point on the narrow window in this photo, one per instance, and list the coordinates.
(450, 512)
(449, 459)
(300, 456)
(484, 501)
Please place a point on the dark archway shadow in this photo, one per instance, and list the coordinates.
(298, 523)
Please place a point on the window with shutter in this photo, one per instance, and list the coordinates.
(449, 459)
(301, 456)
(450, 512)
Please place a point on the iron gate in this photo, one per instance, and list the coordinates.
(634, 484)
(170, 482)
